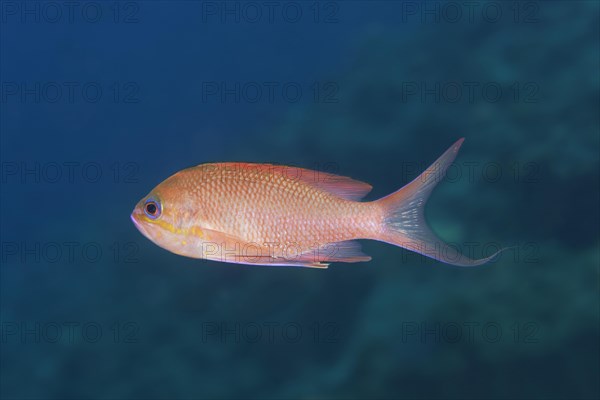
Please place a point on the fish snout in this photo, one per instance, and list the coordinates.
(136, 218)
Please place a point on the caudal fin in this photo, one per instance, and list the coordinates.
(405, 224)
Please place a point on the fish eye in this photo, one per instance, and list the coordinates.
(152, 208)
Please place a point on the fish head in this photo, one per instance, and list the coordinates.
(166, 216)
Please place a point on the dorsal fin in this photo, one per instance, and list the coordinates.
(341, 186)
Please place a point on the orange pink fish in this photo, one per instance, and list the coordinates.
(267, 214)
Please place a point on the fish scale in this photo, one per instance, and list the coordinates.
(260, 207)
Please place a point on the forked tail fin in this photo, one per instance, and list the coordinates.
(405, 225)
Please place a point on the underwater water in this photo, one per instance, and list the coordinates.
(101, 101)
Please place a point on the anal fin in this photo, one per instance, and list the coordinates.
(348, 251)
(317, 265)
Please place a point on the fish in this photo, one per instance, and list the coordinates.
(277, 215)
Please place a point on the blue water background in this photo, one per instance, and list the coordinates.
(149, 324)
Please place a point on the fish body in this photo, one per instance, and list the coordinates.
(267, 214)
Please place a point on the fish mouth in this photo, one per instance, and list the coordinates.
(138, 224)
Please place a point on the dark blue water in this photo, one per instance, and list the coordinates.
(101, 101)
